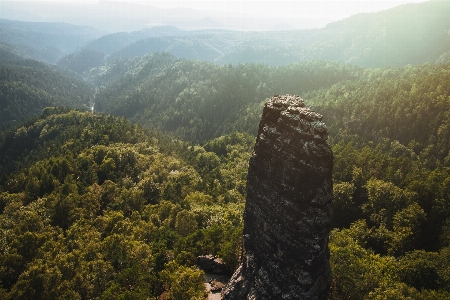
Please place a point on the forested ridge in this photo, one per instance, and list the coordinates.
(389, 131)
(96, 207)
(409, 104)
(412, 33)
(45, 41)
(28, 86)
(133, 208)
(198, 101)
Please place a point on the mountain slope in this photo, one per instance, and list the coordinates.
(198, 101)
(46, 41)
(410, 105)
(133, 208)
(28, 86)
(407, 34)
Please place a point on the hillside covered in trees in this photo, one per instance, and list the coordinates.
(93, 206)
(198, 101)
(119, 202)
(167, 201)
(408, 34)
(28, 86)
(412, 33)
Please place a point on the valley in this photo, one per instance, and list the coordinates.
(124, 156)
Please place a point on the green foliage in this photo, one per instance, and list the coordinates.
(419, 269)
(183, 283)
(95, 207)
(384, 200)
(409, 106)
(344, 208)
(27, 87)
(198, 101)
(389, 139)
(356, 270)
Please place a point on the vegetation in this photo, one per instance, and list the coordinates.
(198, 101)
(96, 206)
(28, 86)
(408, 34)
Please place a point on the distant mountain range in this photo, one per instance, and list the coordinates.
(407, 34)
(118, 16)
(44, 41)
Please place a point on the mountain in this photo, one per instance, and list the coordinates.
(28, 86)
(118, 203)
(202, 47)
(407, 34)
(116, 16)
(199, 100)
(9, 52)
(113, 42)
(45, 41)
(121, 200)
(82, 60)
(404, 104)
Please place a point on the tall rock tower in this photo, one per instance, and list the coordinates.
(288, 210)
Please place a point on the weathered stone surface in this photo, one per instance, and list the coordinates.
(288, 209)
(210, 263)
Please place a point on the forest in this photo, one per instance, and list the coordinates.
(116, 173)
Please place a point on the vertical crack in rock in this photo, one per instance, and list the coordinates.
(288, 210)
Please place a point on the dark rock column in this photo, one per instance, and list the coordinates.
(288, 210)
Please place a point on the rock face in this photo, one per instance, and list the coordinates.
(288, 210)
(210, 263)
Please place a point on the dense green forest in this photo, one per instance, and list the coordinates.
(389, 131)
(132, 207)
(94, 206)
(119, 202)
(28, 86)
(198, 101)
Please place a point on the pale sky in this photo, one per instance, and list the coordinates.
(332, 9)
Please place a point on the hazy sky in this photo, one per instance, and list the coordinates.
(331, 9)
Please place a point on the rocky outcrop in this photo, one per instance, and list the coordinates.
(288, 210)
(210, 263)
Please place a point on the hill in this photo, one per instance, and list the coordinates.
(407, 34)
(198, 101)
(28, 86)
(133, 208)
(407, 104)
(45, 41)
(115, 41)
(95, 206)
